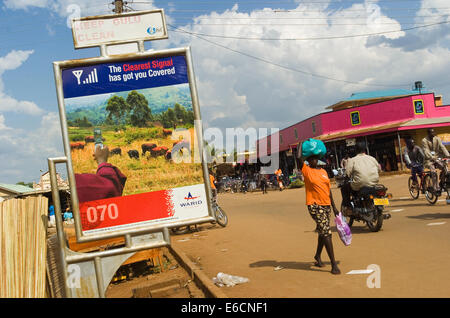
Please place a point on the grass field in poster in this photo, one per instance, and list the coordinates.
(129, 119)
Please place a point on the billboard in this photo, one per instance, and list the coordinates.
(123, 28)
(131, 131)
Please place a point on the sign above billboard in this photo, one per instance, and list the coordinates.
(114, 29)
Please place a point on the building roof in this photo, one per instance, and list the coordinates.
(15, 188)
(383, 93)
(376, 96)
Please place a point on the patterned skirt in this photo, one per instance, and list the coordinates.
(321, 215)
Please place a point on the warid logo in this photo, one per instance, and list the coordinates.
(191, 201)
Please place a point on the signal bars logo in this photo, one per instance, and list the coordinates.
(90, 79)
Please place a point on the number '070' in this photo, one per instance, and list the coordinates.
(94, 214)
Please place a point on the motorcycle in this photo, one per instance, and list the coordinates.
(367, 204)
(221, 219)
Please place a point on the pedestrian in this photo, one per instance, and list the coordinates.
(263, 183)
(344, 161)
(319, 201)
(278, 174)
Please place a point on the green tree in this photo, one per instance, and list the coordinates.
(189, 118)
(140, 113)
(171, 117)
(180, 113)
(117, 108)
(84, 122)
(30, 184)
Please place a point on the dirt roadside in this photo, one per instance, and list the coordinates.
(274, 230)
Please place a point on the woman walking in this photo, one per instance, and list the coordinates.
(319, 201)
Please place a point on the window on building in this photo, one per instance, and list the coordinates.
(295, 133)
(281, 139)
(313, 124)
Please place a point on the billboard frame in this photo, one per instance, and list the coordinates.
(58, 67)
(115, 16)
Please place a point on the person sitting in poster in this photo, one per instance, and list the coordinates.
(108, 182)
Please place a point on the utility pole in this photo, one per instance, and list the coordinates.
(118, 6)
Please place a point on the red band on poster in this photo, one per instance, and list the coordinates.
(106, 213)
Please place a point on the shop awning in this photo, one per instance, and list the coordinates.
(361, 132)
(390, 127)
(426, 122)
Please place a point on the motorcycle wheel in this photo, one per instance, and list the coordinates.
(221, 216)
(181, 230)
(414, 189)
(348, 219)
(429, 191)
(377, 222)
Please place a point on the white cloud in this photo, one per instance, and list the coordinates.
(65, 7)
(24, 153)
(2, 123)
(25, 4)
(12, 61)
(235, 90)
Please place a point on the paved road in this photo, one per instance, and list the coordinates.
(265, 231)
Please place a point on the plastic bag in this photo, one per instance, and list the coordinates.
(313, 147)
(223, 279)
(343, 229)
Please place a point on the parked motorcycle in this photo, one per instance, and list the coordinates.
(221, 218)
(367, 204)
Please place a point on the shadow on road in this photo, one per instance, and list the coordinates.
(398, 199)
(305, 266)
(432, 216)
(411, 205)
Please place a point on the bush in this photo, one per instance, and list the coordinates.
(133, 134)
(296, 184)
(77, 138)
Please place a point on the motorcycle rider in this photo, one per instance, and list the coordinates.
(414, 158)
(433, 149)
(363, 171)
(212, 181)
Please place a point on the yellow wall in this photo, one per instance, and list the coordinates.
(422, 133)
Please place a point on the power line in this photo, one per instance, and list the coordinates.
(286, 67)
(311, 39)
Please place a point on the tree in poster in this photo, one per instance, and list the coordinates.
(140, 113)
(117, 108)
(180, 112)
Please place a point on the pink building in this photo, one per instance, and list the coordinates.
(383, 118)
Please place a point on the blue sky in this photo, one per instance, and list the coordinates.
(242, 81)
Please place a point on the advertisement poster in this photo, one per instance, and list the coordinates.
(131, 132)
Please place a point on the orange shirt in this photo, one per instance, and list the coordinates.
(211, 179)
(317, 186)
